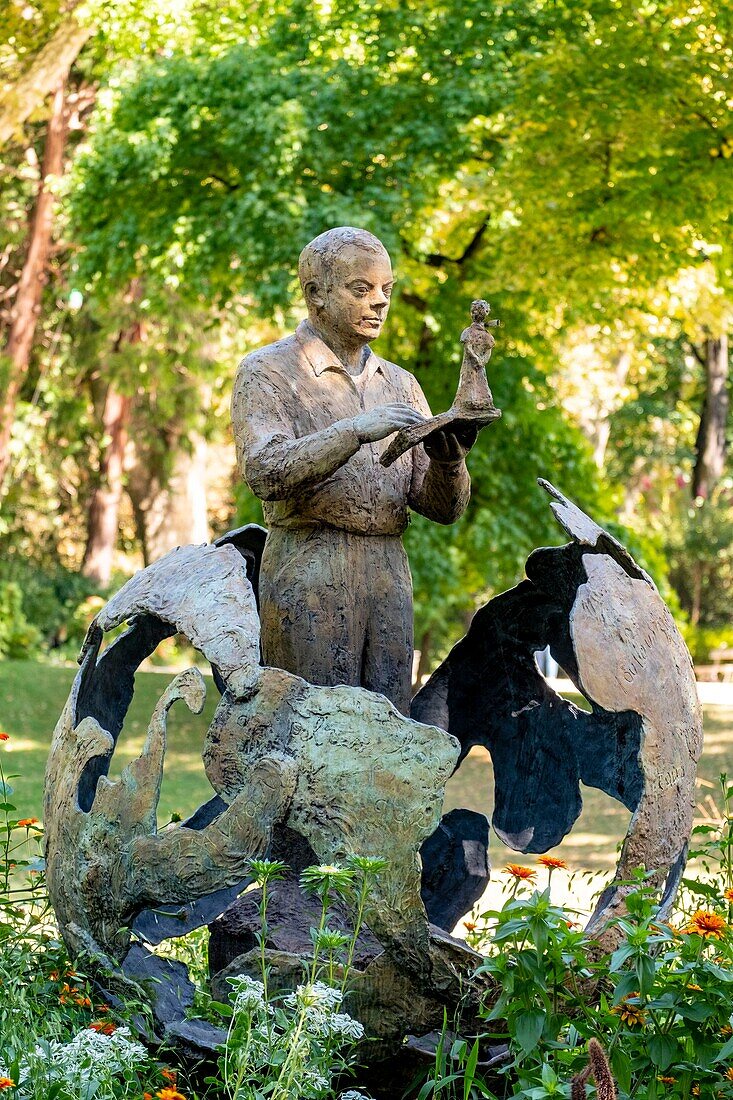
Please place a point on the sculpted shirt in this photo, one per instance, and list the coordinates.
(298, 452)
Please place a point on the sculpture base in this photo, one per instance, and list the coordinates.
(456, 417)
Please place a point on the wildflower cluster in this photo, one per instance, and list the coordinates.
(298, 1043)
(659, 1005)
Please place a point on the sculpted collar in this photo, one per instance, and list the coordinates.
(322, 358)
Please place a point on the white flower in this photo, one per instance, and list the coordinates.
(336, 1025)
(315, 995)
(249, 994)
(92, 1052)
(314, 1079)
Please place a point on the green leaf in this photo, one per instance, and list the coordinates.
(726, 1051)
(470, 1071)
(645, 972)
(662, 1050)
(620, 956)
(529, 1027)
(695, 1012)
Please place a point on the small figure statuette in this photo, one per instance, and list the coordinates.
(474, 394)
(473, 407)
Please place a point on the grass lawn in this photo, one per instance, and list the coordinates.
(32, 696)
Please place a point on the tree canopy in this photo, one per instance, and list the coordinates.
(570, 162)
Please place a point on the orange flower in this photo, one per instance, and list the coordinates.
(729, 1073)
(694, 988)
(667, 1080)
(5, 737)
(728, 895)
(6, 1082)
(726, 1029)
(147, 1096)
(552, 863)
(170, 1094)
(70, 995)
(520, 872)
(707, 924)
(170, 1075)
(469, 925)
(26, 822)
(104, 1027)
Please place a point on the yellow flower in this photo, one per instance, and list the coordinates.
(7, 1083)
(726, 1030)
(707, 924)
(729, 1073)
(552, 862)
(632, 1015)
(667, 1080)
(520, 872)
(728, 895)
(170, 1094)
(695, 988)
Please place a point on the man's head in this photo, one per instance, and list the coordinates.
(347, 282)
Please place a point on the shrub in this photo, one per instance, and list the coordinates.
(18, 637)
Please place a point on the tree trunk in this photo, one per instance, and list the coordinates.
(50, 68)
(105, 504)
(710, 445)
(27, 303)
(170, 512)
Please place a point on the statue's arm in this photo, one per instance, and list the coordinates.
(439, 490)
(271, 460)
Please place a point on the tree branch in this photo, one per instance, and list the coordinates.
(437, 259)
(50, 66)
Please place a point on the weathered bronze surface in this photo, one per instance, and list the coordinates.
(473, 407)
(311, 414)
(316, 752)
(338, 770)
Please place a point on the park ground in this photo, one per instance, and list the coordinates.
(32, 696)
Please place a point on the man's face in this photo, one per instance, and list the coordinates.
(356, 303)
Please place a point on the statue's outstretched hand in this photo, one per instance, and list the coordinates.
(450, 446)
(384, 420)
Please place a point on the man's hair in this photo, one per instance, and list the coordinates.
(317, 260)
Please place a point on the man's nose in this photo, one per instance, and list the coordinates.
(379, 301)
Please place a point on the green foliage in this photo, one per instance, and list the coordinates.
(660, 1004)
(280, 1046)
(49, 608)
(18, 636)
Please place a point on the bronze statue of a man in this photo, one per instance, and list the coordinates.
(311, 414)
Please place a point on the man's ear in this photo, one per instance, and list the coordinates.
(314, 296)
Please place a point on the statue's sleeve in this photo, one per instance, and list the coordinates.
(439, 490)
(274, 463)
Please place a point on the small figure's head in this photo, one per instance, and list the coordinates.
(347, 281)
(480, 310)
